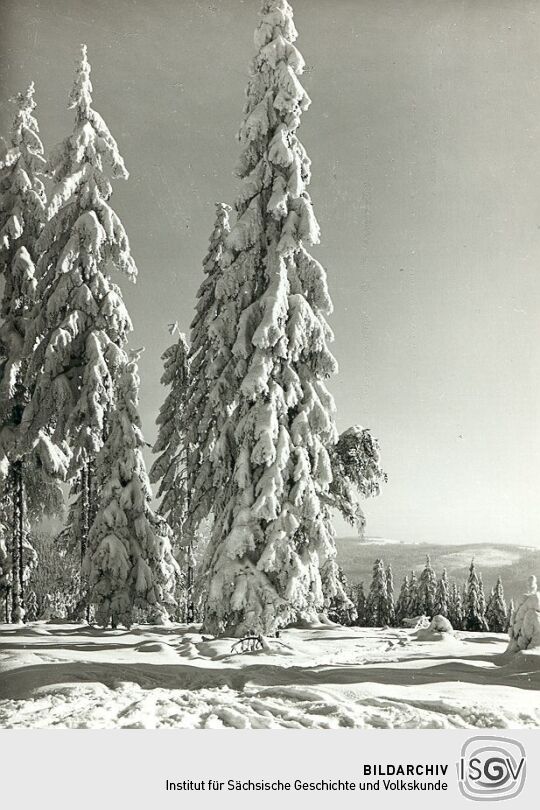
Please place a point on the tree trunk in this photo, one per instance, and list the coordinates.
(92, 509)
(85, 528)
(85, 506)
(16, 544)
(190, 607)
(21, 516)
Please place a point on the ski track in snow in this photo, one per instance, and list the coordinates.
(67, 676)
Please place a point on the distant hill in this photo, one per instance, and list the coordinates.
(513, 563)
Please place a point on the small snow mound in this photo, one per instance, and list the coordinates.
(441, 624)
(154, 647)
(416, 622)
(322, 622)
(524, 631)
(31, 630)
(326, 622)
(439, 629)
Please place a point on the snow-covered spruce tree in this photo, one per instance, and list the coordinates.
(377, 600)
(81, 507)
(481, 595)
(358, 598)
(455, 607)
(271, 559)
(129, 561)
(442, 596)
(22, 214)
(464, 591)
(170, 466)
(427, 587)
(390, 606)
(213, 333)
(412, 607)
(403, 601)
(496, 611)
(510, 616)
(356, 472)
(343, 611)
(473, 615)
(81, 323)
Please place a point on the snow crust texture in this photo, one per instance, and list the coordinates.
(70, 676)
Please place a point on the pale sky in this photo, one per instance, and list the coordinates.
(424, 134)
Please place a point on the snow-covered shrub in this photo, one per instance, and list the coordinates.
(524, 631)
(417, 622)
(438, 629)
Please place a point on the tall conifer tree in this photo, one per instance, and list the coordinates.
(413, 608)
(22, 215)
(359, 600)
(442, 596)
(390, 609)
(510, 617)
(474, 618)
(81, 324)
(481, 595)
(211, 388)
(497, 614)
(403, 601)
(455, 607)
(170, 467)
(129, 561)
(271, 558)
(377, 600)
(427, 586)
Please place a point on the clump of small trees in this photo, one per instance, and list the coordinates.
(425, 594)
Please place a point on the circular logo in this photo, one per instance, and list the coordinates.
(491, 768)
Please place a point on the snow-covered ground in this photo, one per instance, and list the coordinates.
(322, 677)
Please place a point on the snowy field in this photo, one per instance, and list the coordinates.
(68, 676)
